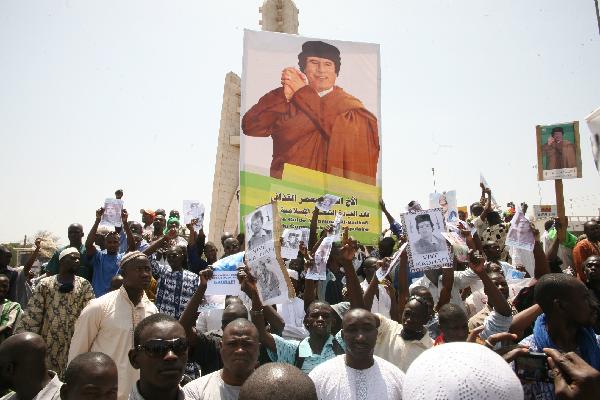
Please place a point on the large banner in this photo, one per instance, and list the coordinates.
(310, 127)
(558, 151)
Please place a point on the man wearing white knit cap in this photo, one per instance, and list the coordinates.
(107, 323)
(461, 371)
(358, 374)
(54, 307)
(293, 313)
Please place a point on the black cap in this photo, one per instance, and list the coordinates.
(317, 48)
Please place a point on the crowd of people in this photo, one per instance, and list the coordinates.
(125, 315)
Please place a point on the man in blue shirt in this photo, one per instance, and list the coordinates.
(105, 263)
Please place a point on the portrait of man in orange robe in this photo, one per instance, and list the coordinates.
(314, 123)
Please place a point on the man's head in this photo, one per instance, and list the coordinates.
(136, 271)
(369, 266)
(159, 222)
(476, 209)
(386, 247)
(415, 315)
(147, 216)
(136, 227)
(174, 214)
(454, 323)
(424, 225)
(563, 297)
(235, 309)
(462, 215)
(69, 260)
(592, 230)
(493, 218)
(321, 63)
(75, 234)
(256, 222)
(359, 331)
(499, 280)
(231, 246)
(557, 134)
(5, 256)
(425, 294)
(548, 224)
(241, 238)
(177, 257)
(116, 282)
(160, 351)
(112, 242)
(4, 286)
(491, 250)
(210, 252)
(225, 236)
(318, 318)
(591, 268)
(90, 376)
(278, 381)
(240, 348)
(22, 361)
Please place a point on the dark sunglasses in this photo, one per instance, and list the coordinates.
(160, 347)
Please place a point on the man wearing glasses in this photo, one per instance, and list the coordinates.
(107, 324)
(160, 353)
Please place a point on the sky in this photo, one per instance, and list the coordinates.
(96, 96)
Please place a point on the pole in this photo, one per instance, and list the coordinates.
(560, 208)
(597, 14)
(433, 173)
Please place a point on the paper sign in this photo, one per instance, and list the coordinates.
(291, 242)
(112, 213)
(482, 180)
(593, 122)
(224, 280)
(384, 271)
(337, 226)
(318, 271)
(427, 247)
(328, 200)
(447, 202)
(520, 234)
(262, 246)
(558, 151)
(545, 211)
(193, 209)
(459, 245)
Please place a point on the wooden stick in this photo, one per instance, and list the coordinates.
(560, 208)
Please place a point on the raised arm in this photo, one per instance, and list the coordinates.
(128, 232)
(34, 255)
(190, 313)
(386, 212)
(157, 244)
(248, 286)
(403, 286)
(312, 236)
(89, 241)
(192, 236)
(347, 252)
(524, 320)
(447, 284)
(541, 267)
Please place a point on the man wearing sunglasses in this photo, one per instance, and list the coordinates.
(239, 352)
(160, 353)
(107, 323)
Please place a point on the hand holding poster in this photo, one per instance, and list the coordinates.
(112, 213)
(386, 267)
(224, 280)
(262, 247)
(327, 201)
(427, 247)
(193, 209)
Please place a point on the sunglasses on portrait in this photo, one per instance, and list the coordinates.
(160, 347)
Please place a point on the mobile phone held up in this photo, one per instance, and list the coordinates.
(533, 367)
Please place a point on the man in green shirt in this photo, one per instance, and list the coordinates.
(75, 235)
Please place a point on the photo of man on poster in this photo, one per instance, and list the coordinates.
(314, 123)
(560, 153)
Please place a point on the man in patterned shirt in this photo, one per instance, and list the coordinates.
(54, 307)
(176, 285)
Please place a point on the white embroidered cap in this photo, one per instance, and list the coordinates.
(461, 371)
(67, 251)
